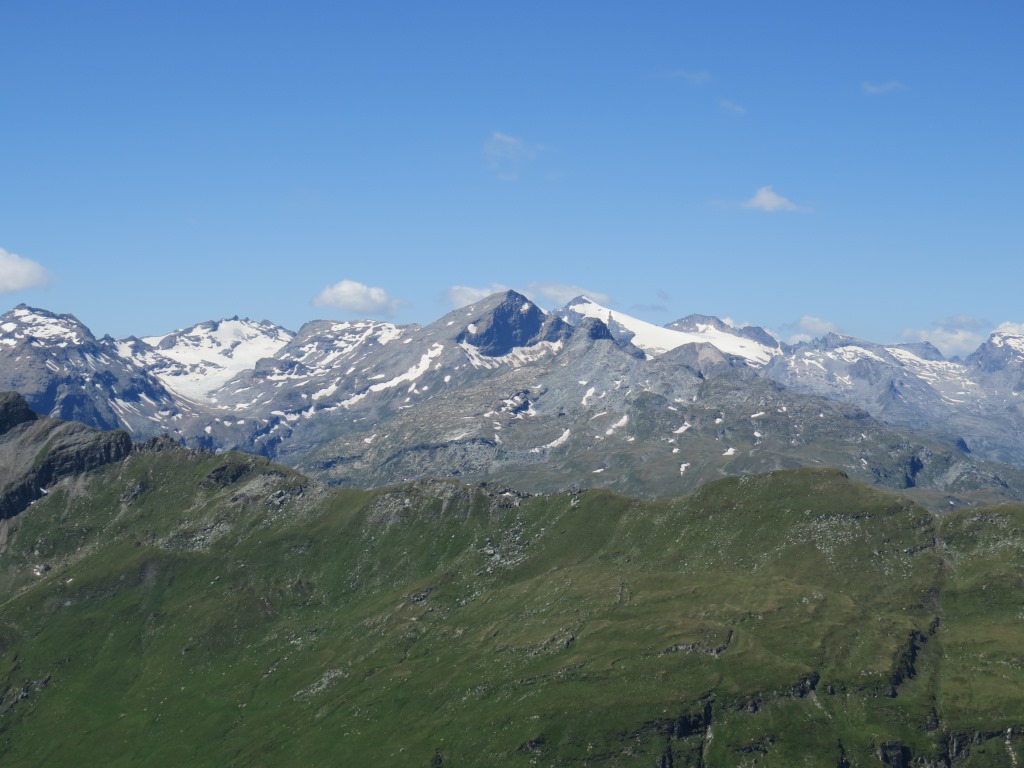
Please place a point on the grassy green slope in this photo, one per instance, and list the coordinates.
(982, 677)
(221, 611)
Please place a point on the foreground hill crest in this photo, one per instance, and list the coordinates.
(176, 605)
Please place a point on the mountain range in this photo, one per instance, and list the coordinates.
(476, 595)
(504, 391)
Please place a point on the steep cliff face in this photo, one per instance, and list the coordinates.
(13, 411)
(36, 452)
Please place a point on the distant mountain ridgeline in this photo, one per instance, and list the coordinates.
(582, 396)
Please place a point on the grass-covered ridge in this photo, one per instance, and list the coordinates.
(222, 610)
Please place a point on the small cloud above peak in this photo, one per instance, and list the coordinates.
(768, 200)
(953, 335)
(463, 295)
(352, 296)
(808, 328)
(1015, 329)
(891, 86)
(562, 293)
(967, 322)
(18, 273)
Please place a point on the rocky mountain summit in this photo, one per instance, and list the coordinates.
(36, 452)
(583, 395)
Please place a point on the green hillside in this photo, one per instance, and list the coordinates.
(184, 608)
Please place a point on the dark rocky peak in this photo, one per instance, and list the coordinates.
(502, 322)
(582, 307)
(693, 323)
(592, 330)
(14, 411)
(1002, 350)
(36, 452)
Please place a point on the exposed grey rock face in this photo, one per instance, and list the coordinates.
(36, 452)
(695, 323)
(501, 390)
(63, 371)
(514, 322)
(14, 411)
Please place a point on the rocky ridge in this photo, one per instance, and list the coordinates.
(503, 390)
(36, 452)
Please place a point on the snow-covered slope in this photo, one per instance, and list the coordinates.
(196, 360)
(656, 340)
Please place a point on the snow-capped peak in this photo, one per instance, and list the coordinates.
(1014, 341)
(43, 327)
(193, 361)
(656, 340)
(504, 322)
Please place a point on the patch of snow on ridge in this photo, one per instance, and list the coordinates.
(42, 326)
(326, 392)
(560, 440)
(409, 376)
(947, 378)
(656, 340)
(851, 353)
(617, 425)
(518, 357)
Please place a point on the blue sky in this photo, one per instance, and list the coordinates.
(797, 165)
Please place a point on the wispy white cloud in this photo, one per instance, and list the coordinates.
(692, 76)
(563, 293)
(808, 328)
(1008, 327)
(968, 322)
(18, 273)
(352, 296)
(462, 295)
(732, 107)
(953, 335)
(506, 155)
(875, 89)
(949, 341)
(768, 200)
